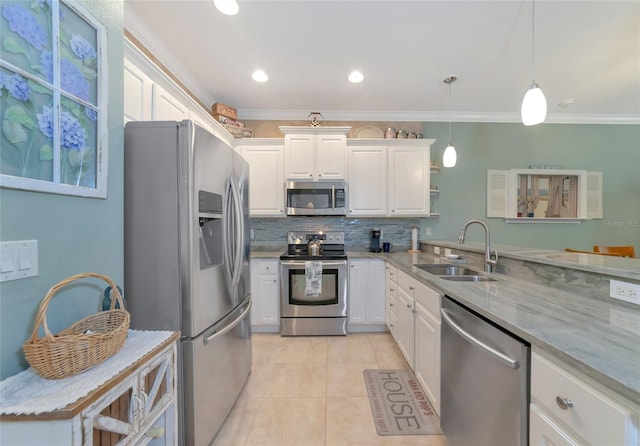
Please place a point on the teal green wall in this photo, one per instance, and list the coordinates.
(74, 234)
(612, 149)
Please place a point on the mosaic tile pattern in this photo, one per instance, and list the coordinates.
(272, 232)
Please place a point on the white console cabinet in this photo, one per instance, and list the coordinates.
(136, 407)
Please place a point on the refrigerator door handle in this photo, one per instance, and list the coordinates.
(228, 244)
(230, 326)
(238, 232)
(481, 345)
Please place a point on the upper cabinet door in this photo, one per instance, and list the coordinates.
(167, 107)
(330, 157)
(266, 182)
(312, 153)
(367, 180)
(299, 157)
(409, 181)
(137, 93)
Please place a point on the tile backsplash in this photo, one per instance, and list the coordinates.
(272, 232)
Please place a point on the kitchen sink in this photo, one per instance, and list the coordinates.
(469, 278)
(440, 269)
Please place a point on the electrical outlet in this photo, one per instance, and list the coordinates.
(427, 231)
(447, 252)
(629, 292)
(436, 250)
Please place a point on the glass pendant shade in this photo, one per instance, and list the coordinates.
(449, 157)
(228, 7)
(534, 106)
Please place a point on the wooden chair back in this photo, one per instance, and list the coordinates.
(620, 251)
(588, 252)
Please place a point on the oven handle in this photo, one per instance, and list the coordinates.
(333, 197)
(481, 345)
(300, 263)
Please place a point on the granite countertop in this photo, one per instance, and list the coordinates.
(578, 330)
(611, 265)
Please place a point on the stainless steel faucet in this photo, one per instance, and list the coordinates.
(488, 261)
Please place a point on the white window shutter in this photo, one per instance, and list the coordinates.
(594, 194)
(497, 190)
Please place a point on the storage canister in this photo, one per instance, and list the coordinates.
(390, 133)
(401, 134)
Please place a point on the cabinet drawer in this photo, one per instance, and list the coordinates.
(268, 267)
(392, 273)
(593, 415)
(393, 304)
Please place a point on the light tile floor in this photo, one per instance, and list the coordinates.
(310, 391)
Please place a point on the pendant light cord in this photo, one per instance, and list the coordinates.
(449, 113)
(533, 40)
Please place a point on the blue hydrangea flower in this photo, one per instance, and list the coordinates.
(82, 48)
(71, 78)
(91, 113)
(22, 22)
(72, 133)
(17, 86)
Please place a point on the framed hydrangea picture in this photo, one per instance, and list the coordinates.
(53, 90)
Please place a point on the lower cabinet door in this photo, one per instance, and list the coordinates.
(427, 354)
(406, 322)
(544, 432)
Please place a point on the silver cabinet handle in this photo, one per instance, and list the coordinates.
(563, 402)
(411, 288)
(408, 305)
(481, 345)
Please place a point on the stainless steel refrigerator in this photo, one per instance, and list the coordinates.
(186, 254)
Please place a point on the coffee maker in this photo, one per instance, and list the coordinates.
(376, 235)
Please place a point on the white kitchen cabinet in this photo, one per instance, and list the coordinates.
(406, 326)
(409, 176)
(167, 107)
(427, 348)
(138, 93)
(136, 407)
(569, 408)
(367, 177)
(266, 178)
(265, 295)
(391, 299)
(315, 153)
(366, 294)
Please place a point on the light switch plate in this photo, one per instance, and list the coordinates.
(18, 260)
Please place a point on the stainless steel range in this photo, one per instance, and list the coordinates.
(313, 287)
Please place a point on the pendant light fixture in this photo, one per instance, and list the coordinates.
(534, 104)
(449, 157)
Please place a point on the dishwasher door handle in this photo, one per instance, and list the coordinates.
(481, 345)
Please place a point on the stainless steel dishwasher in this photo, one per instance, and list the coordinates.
(485, 381)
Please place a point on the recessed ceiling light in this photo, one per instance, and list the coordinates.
(260, 76)
(228, 7)
(356, 77)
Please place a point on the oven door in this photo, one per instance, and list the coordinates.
(331, 302)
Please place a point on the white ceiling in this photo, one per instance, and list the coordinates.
(587, 52)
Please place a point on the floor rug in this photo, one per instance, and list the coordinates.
(398, 404)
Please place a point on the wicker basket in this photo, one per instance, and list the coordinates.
(81, 346)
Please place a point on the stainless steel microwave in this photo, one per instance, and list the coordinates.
(316, 198)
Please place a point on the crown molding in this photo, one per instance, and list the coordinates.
(140, 31)
(418, 116)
